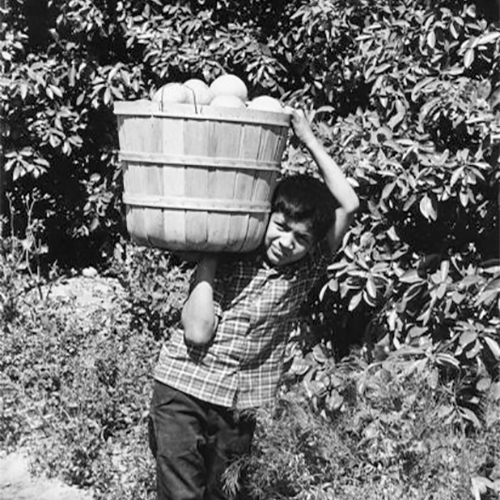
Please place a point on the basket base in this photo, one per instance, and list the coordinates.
(151, 228)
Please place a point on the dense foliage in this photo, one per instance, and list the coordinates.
(422, 261)
(406, 97)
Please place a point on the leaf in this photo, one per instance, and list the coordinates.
(23, 90)
(483, 384)
(56, 90)
(494, 285)
(468, 337)
(420, 86)
(495, 391)
(441, 290)
(410, 201)
(431, 39)
(428, 208)
(447, 359)
(469, 57)
(299, 366)
(354, 302)
(479, 486)
(457, 174)
(433, 378)
(493, 346)
(411, 276)
(334, 401)
(371, 288)
(470, 416)
(487, 38)
(474, 351)
(417, 331)
(319, 354)
(444, 411)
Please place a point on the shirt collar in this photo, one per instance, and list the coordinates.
(289, 270)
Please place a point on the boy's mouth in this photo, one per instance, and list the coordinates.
(276, 254)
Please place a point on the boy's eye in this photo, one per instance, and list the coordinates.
(304, 239)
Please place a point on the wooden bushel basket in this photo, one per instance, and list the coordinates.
(198, 179)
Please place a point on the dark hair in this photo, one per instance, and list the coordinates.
(303, 198)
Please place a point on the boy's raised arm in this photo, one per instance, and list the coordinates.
(198, 314)
(334, 178)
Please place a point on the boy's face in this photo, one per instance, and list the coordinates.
(287, 241)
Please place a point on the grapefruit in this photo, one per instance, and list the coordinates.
(229, 85)
(227, 101)
(199, 92)
(172, 92)
(266, 103)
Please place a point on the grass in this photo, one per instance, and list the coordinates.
(77, 383)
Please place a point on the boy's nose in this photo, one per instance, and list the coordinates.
(286, 242)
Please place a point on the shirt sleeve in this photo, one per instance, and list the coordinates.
(218, 296)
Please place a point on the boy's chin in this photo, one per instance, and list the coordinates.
(276, 259)
(273, 258)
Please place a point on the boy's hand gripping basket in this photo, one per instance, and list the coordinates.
(199, 179)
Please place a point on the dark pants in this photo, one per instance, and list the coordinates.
(193, 442)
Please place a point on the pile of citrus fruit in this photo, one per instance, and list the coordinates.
(226, 91)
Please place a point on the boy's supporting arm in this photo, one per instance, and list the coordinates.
(334, 179)
(198, 315)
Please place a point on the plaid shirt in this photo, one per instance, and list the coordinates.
(258, 306)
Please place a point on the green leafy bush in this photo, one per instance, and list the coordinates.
(392, 439)
(422, 260)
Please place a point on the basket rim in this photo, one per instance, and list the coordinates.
(206, 113)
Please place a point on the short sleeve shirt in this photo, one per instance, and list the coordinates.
(258, 306)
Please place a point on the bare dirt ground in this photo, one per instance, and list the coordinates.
(17, 483)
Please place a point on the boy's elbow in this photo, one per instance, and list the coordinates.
(353, 206)
(198, 333)
(348, 210)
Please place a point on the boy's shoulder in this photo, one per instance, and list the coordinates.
(231, 263)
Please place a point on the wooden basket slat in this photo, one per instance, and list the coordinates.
(174, 180)
(222, 184)
(238, 226)
(264, 180)
(136, 221)
(197, 141)
(153, 185)
(245, 229)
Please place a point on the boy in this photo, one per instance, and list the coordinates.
(236, 322)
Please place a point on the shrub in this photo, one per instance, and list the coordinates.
(421, 261)
(391, 439)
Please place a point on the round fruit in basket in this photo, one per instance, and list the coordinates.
(229, 85)
(172, 92)
(266, 103)
(227, 101)
(199, 92)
